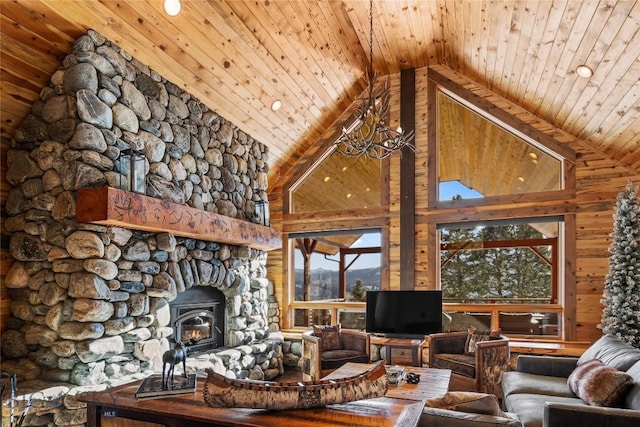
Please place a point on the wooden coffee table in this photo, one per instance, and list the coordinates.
(433, 382)
(118, 407)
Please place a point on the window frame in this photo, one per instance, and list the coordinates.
(553, 242)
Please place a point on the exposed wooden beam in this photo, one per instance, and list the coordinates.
(407, 181)
(114, 207)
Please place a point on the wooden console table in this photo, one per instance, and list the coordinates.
(118, 406)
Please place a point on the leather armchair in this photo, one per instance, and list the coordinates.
(320, 359)
(479, 372)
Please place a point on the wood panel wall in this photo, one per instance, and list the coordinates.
(598, 182)
(394, 192)
(275, 258)
(421, 180)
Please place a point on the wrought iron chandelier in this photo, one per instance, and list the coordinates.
(369, 136)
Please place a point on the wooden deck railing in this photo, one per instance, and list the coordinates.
(334, 306)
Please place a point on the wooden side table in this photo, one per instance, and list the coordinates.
(404, 351)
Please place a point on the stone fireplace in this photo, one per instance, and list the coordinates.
(94, 303)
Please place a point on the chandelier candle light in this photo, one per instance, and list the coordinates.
(369, 136)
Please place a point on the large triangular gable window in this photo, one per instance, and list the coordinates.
(479, 156)
(337, 182)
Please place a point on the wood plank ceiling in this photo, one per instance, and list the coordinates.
(240, 56)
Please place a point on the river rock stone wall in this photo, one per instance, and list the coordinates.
(90, 304)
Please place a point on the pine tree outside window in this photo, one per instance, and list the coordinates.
(502, 264)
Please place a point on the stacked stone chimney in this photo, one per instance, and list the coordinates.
(90, 303)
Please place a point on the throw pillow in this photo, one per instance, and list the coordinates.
(330, 335)
(475, 336)
(471, 402)
(598, 384)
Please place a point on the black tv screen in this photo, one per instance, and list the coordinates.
(404, 314)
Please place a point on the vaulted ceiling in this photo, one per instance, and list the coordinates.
(239, 56)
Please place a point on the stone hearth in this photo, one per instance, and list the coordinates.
(91, 303)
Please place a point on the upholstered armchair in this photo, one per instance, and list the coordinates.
(326, 348)
(477, 359)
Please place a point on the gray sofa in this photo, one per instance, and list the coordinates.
(466, 409)
(537, 391)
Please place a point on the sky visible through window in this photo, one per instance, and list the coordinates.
(449, 189)
(365, 261)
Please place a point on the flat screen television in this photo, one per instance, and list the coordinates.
(404, 314)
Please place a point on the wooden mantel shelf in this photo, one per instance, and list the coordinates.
(115, 207)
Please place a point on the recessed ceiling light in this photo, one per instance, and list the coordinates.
(344, 168)
(172, 7)
(584, 71)
(327, 178)
(521, 179)
(275, 105)
(533, 155)
(349, 196)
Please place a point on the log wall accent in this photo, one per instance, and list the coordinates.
(5, 256)
(5, 302)
(111, 206)
(407, 181)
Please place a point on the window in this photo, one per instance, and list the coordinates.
(335, 267)
(486, 158)
(501, 264)
(338, 182)
(513, 262)
(501, 233)
(336, 229)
